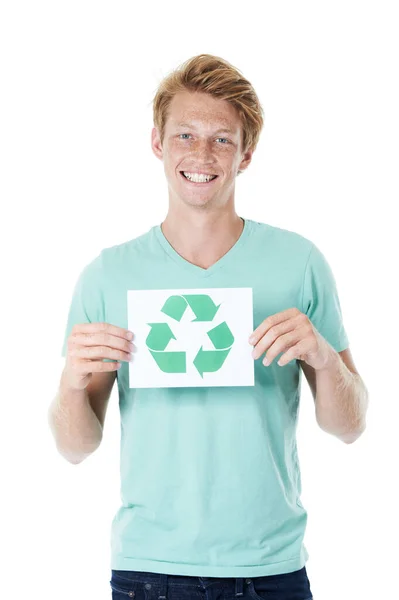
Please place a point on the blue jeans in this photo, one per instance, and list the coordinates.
(158, 586)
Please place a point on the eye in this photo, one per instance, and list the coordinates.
(223, 139)
(184, 134)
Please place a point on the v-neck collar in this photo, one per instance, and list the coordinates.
(195, 269)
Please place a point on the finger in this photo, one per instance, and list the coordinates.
(297, 351)
(270, 322)
(101, 337)
(284, 342)
(275, 332)
(103, 327)
(293, 352)
(83, 367)
(99, 353)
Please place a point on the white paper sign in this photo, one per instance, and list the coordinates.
(191, 337)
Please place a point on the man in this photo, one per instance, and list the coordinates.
(210, 479)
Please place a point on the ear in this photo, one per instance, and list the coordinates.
(156, 143)
(247, 157)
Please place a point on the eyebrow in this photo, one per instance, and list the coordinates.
(222, 129)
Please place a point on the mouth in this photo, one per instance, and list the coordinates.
(198, 183)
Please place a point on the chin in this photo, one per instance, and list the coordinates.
(196, 201)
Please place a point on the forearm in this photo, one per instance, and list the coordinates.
(75, 427)
(341, 400)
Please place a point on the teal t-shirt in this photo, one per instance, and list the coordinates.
(210, 477)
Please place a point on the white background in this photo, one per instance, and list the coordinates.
(78, 175)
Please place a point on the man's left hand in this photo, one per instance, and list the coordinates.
(290, 331)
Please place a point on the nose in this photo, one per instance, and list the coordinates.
(203, 150)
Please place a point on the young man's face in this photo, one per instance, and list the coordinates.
(202, 135)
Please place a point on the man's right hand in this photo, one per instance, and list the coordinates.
(87, 346)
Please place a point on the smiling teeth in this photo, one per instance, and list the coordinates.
(198, 177)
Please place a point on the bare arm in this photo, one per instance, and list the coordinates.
(340, 395)
(76, 415)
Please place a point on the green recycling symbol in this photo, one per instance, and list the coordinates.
(160, 335)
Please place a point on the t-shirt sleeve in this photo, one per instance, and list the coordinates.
(321, 302)
(87, 302)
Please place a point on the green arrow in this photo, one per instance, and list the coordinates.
(221, 336)
(159, 336)
(170, 362)
(174, 307)
(202, 306)
(209, 360)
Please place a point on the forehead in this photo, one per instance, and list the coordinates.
(197, 108)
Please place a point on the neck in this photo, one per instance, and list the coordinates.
(202, 239)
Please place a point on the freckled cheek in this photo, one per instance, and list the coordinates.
(177, 152)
